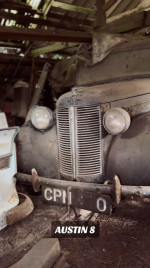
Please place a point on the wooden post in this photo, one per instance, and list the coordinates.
(31, 79)
(18, 66)
(100, 16)
(38, 90)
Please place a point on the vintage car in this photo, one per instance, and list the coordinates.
(96, 148)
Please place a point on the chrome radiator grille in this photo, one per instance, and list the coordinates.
(80, 142)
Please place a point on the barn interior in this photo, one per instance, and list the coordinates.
(42, 45)
(43, 41)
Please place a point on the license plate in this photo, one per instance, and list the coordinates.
(87, 200)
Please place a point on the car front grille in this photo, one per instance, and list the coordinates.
(80, 141)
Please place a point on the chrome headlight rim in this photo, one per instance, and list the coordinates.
(124, 114)
(49, 117)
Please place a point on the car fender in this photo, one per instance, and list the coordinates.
(129, 153)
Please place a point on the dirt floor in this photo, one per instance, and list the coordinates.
(124, 239)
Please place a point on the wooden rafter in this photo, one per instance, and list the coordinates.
(71, 20)
(113, 7)
(109, 4)
(13, 59)
(68, 7)
(52, 48)
(16, 33)
(26, 20)
(18, 7)
(134, 4)
(10, 44)
(47, 6)
(60, 25)
(120, 7)
(129, 20)
(21, 60)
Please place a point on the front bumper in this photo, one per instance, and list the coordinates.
(86, 194)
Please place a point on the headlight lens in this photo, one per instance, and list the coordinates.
(42, 117)
(116, 121)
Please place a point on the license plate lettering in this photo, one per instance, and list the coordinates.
(57, 195)
(101, 204)
(87, 200)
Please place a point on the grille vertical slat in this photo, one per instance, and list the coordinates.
(65, 159)
(88, 141)
(82, 158)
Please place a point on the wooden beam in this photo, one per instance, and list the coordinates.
(38, 90)
(134, 4)
(26, 20)
(144, 31)
(140, 9)
(144, 3)
(18, 7)
(11, 44)
(71, 20)
(113, 7)
(32, 78)
(68, 7)
(52, 48)
(129, 20)
(122, 7)
(109, 4)
(14, 59)
(100, 16)
(14, 33)
(21, 60)
(47, 6)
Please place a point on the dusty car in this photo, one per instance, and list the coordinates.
(96, 148)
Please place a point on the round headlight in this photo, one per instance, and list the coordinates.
(116, 121)
(41, 117)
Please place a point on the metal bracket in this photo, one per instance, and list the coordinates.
(117, 190)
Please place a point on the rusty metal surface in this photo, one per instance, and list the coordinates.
(68, 205)
(139, 191)
(117, 190)
(35, 182)
(21, 211)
